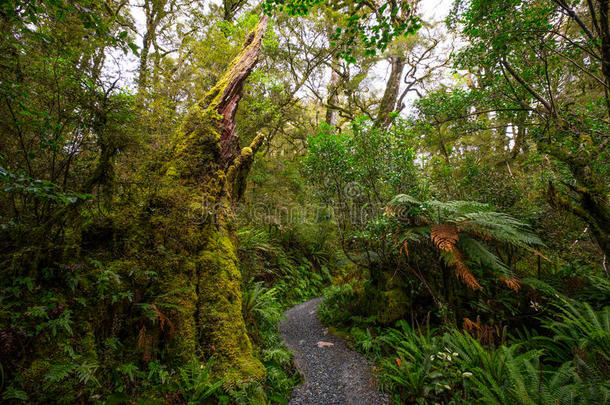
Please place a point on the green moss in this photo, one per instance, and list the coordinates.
(395, 305)
(195, 247)
(41, 388)
(197, 145)
(179, 307)
(388, 305)
(185, 232)
(151, 247)
(246, 152)
(220, 314)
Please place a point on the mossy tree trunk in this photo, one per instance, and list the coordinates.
(205, 179)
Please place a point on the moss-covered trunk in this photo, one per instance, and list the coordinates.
(203, 182)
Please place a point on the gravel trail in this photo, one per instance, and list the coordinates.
(334, 373)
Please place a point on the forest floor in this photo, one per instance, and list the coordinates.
(334, 373)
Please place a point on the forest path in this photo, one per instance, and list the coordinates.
(334, 373)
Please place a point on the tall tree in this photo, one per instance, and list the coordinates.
(390, 95)
(208, 171)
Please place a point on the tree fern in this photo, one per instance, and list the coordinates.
(462, 232)
(498, 226)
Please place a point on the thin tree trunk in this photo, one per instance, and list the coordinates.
(143, 67)
(155, 12)
(333, 93)
(388, 102)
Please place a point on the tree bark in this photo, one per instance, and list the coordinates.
(226, 94)
(333, 94)
(388, 102)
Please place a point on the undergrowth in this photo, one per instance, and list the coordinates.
(564, 361)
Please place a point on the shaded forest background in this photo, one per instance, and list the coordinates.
(172, 183)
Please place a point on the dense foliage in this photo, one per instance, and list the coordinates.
(175, 174)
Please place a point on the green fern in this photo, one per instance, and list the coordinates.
(479, 255)
(259, 302)
(196, 382)
(542, 287)
(257, 241)
(582, 328)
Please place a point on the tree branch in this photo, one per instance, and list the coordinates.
(527, 87)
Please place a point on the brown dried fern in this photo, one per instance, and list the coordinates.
(445, 237)
(405, 247)
(163, 320)
(486, 334)
(511, 283)
(470, 325)
(145, 342)
(462, 270)
(142, 337)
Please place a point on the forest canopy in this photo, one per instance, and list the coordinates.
(174, 175)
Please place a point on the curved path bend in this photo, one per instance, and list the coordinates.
(334, 373)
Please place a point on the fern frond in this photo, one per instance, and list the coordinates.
(404, 199)
(511, 283)
(456, 259)
(459, 229)
(444, 236)
(451, 209)
(540, 286)
(478, 254)
(499, 226)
